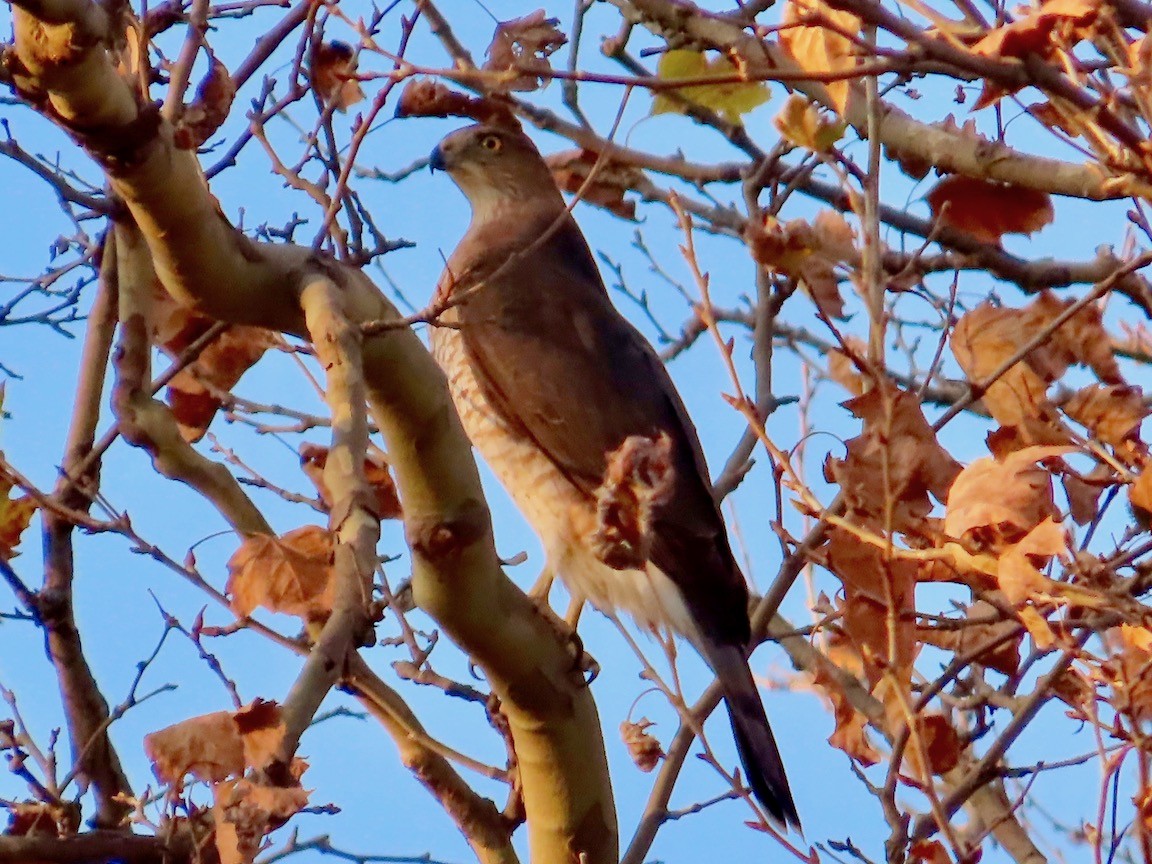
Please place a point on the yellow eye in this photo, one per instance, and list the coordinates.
(491, 143)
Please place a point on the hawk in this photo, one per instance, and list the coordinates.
(549, 380)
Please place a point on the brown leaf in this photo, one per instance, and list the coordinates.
(333, 73)
(889, 470)
(520, 50)
(645, 750)
(208, 747)
(290, 574)
(817, 38)
(572, 168)
(988, 210)
(929, 852)
(208, 110)
(173, 328)
(261, 730)
(843, 370)
(313, 458)
(940, 741)
(1111, 414)
(216, 746)
(988, 337)
(15, 516)
(996, 502)
(1140, 496)
(850, 734)
(1132, 672)
(425, 97)
(1037, 32)
(808, 252)
(244, 811)
(985, 626)
(879, 599)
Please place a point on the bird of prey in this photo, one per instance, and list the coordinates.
(549, 380)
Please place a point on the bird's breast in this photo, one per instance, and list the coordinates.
(557, 511)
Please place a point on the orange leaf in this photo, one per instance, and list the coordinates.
(313, 458)
(290, 574)
(208, 747)
(600, 182)
(520, 50)
(1111, 414)
(822, 46)
(333, 72)
(878, 596)
(216, 746)
(988, 337)
(988, 210)
(808, 252)
(1004, 657)
(889, 470)
(15, 516)
(995, 501)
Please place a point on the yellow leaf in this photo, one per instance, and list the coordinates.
(802, 124)
(730, 98)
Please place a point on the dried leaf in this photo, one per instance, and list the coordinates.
(985, 626)
(290, 574)
(208, 110)
(988, 210)
(1132, 672)
(807, 252)
(520, 50)
(173, 328)
(988, 337)
(888, 471)
(208, 747)
(572, 168)
(879, 597)
(731, 98)
(929, 852)
(1037, 32)
(333, 73)
(817, 38)
(850, 734)
(800, 123)
(15, 516)
(386, 503)
(843, 370)
(1140, 496)
(996, 502)
(216, 746)
(245, 811)
(425, 97)
(940, 742)
(645, 750)
(1111, 414)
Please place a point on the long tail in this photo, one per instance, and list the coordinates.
(757, 747)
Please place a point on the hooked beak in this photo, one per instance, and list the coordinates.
(436, 160)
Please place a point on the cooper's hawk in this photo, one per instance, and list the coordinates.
(549, 379)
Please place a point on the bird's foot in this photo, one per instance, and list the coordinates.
(582, 661)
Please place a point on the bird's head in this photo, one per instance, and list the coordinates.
(496, 168)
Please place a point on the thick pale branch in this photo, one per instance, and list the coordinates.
(206, 263)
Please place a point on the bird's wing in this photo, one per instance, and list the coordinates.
(567, 371)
